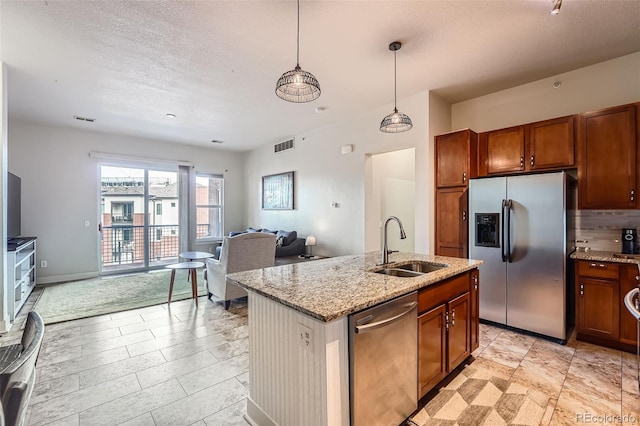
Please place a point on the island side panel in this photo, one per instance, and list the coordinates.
(296, 379)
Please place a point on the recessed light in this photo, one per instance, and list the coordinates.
(556, 84)
(320, 110)
(169, 115)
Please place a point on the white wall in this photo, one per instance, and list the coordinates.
(60, 185)
(392, 193)
(323, 175)
(610, 83)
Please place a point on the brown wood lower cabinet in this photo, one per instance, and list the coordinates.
(602, 317)
(444, 328)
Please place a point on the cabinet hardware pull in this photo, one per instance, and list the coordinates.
(464, 215)
(581, 289)
(602, 265)
(446, 321)
(633, 195)
(637, 277)
(464, 177)
(532, 159)
(453, 317)
(592, 265)
(521, 162)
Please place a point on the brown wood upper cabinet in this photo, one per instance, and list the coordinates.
(544, 145)
(550, 144)
(608, 163)
(456, 158)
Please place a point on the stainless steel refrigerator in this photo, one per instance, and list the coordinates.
(520, 227)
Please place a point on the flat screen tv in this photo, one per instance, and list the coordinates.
(14, 184)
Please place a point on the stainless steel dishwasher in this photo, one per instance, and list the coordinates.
(383, 365)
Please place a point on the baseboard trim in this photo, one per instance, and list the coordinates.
(64, 278)
(256, 417)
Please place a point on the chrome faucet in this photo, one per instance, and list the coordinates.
(385, 249)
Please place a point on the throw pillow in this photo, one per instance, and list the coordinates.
(279, 241)
(253, 230)
(234, 233)
(268, 231)
(289, 236)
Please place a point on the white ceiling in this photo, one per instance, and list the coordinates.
(214, 64)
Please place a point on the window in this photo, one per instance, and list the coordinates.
(173, 204)
(209, 196)
(159, 209)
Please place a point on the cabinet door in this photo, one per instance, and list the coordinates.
(598, 308)
(456, 158)
(504, 150)
(628, 323)
(431, 349)
(607, 170)
(550, 144)
(459, 331)
(475, 309)
(451, 222)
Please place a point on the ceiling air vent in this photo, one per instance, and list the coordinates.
(283, 146)
(90, 120)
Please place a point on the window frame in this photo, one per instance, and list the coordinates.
(220, 206)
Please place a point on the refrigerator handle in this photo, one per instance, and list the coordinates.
(502, 231)
(509, 204)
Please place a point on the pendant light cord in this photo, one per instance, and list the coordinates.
(298, 38)
(395, 81)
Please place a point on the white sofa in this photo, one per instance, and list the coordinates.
(239, 253)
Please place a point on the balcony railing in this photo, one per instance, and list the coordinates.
(125, 245)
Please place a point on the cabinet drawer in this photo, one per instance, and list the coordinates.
(599, 269)
(443, 292)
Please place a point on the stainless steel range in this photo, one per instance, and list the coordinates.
(632, 302)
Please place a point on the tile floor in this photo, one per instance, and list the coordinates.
(182, 365)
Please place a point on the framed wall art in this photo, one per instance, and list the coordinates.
(277, 191)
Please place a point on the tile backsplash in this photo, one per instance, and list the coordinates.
(602, 229)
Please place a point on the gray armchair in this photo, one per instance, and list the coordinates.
(239, 253)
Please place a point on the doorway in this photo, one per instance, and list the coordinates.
(390, 191)
(139, 218)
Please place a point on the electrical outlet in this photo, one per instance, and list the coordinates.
(43, 263)
(305, 338)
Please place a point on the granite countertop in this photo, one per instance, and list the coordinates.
(605, 256)
(332, 288)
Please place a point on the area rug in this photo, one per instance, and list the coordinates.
(98, 296)
(476, 397)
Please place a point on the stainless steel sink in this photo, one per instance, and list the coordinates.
(398, 272)
(414, 268)
(421, 266)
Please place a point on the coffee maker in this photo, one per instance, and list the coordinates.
(629, 241)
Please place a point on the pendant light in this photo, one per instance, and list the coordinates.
(298, 85)
(395, 122)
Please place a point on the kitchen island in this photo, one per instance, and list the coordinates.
(298, 330)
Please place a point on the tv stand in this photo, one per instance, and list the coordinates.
(15, 241)
(21, 273)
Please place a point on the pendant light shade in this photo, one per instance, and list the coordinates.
(298, 85)
(395, 122)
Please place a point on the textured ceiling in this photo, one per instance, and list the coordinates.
(214, 64)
